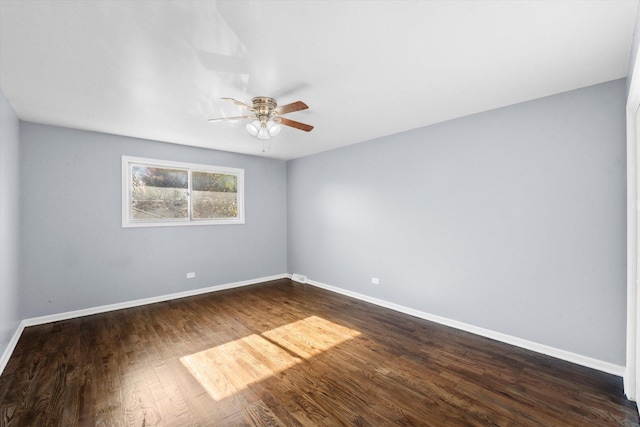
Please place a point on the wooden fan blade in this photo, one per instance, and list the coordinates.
(238, 103)
(221, 119)
(294, 106)
(294, 124)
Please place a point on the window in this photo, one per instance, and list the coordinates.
(161, 193)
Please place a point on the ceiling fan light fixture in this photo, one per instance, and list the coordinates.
(274, 128)
(254, 127)
(263, 133)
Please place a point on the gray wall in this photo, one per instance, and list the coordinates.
(511, 220)
(76, 255)
(10, 315)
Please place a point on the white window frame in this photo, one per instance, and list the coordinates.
(127, 221)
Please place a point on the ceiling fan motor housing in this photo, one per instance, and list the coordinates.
(264, 106)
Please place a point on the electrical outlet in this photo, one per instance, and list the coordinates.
(375, 280)
(191, 275)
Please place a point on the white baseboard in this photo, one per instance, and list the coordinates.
(119, 306)
(568, 356)
(136, 303)
(10, 347)
(578, 359)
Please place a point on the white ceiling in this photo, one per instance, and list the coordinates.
(157, 69)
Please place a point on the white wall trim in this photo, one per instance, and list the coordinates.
(568, 356)
(119, 306)
(136, 303)
(8, 351)
(631, 385)
(508, 339)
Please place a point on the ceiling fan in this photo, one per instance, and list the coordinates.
(267, 116)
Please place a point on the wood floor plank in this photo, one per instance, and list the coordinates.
(288, 354)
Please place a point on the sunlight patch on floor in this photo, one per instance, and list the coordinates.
(231, 367)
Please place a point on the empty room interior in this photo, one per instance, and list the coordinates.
(319, 213)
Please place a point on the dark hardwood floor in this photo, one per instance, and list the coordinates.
(282, 353)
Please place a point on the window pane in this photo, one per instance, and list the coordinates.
(215, 195)
(159, 193)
